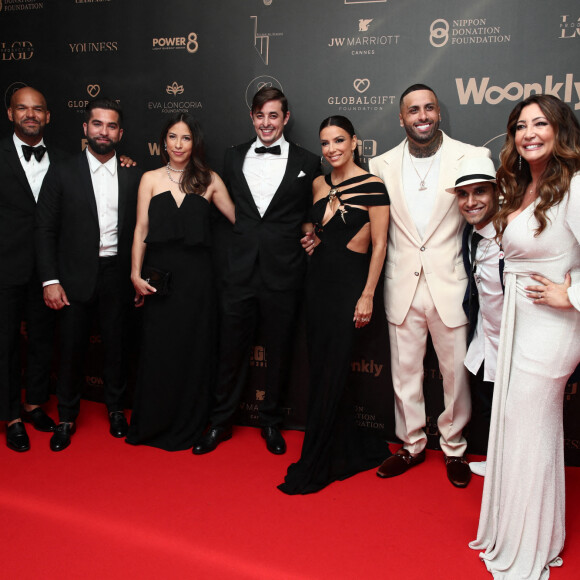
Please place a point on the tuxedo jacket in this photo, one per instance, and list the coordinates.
(17, 209)
(438, 252)
(471, 298)
(67, 235)
(272, 241)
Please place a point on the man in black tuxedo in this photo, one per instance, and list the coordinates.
(270, 181)
(85, 220)
(24, 161)
(477, 199)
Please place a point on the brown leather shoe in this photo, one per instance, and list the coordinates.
(458, 470)
(400, 462)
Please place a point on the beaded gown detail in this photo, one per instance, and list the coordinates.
(335, 447)
(173, 385)
(522, 520)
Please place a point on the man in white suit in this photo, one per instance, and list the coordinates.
(425, 282)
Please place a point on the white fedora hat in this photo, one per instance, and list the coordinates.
(474, 170)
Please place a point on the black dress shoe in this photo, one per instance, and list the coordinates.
(274, 440)
(39, 419)
(458, 471)
(119, 425)
(61, 437)
(212, 438)
(17, 438)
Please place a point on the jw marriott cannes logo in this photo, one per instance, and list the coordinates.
(262, 41)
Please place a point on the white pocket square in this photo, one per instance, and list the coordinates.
(302, 174)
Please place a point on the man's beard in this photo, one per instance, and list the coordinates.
(101, 148)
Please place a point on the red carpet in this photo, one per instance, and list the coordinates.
(102, 509)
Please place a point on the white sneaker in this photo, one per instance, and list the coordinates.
(478, 467)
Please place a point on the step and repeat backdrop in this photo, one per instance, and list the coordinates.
(348, 57)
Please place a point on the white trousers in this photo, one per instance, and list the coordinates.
(408, 343)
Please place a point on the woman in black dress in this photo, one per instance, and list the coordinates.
(350, 211)
(173, 237)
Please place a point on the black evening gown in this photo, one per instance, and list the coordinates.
(335, 447)
(173, 383)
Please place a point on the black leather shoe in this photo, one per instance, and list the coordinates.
(39, 419)
(119, 425)
(61, 437)
(274, 440)
(17, 438)
(212, 438)
(458, 471)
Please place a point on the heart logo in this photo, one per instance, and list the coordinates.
(361, 85)
(93, 90)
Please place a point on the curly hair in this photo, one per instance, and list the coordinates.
(197, 175)
(554, 183)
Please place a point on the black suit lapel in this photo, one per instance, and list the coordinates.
(87, 184)
(238, 169)
(123, 180)
(290, 175)
(13, 161)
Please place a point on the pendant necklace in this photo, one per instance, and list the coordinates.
(422, 186)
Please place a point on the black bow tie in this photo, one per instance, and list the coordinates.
(273, 150)
(38, 152)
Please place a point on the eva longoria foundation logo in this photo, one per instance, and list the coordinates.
(476, 92)
(362, 44)
(181, 106)
(262, 41)
(16, 50)
(20, 5)
(465, 31)
(569, 28)
(189, 43)
(358, 101)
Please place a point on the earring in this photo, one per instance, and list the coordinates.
(519, 162)
(165, 146)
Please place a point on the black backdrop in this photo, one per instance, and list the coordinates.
(351, 57)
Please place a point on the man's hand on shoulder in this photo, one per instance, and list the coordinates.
(126, 161)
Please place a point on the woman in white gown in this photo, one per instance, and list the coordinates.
(521, 525)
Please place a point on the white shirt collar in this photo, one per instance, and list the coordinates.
(487, 231)
(95, 164)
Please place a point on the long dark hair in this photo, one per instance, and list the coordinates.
(513, 177)
(197, 175)
(344, 124)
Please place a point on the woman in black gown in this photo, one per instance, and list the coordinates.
(173, 236)
(350, 210)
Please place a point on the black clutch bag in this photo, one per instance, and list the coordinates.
(159, 279)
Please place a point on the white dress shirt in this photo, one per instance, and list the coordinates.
(420, 202)
(264, 172)
(485, 341)
(35, 170)
(106, 188)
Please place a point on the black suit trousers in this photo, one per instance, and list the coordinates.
(18, 303)
(482, 399)
(245, 307)
(110, 305)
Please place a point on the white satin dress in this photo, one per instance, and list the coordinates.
(521, 526)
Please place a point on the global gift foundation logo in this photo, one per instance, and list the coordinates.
(359, 101)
